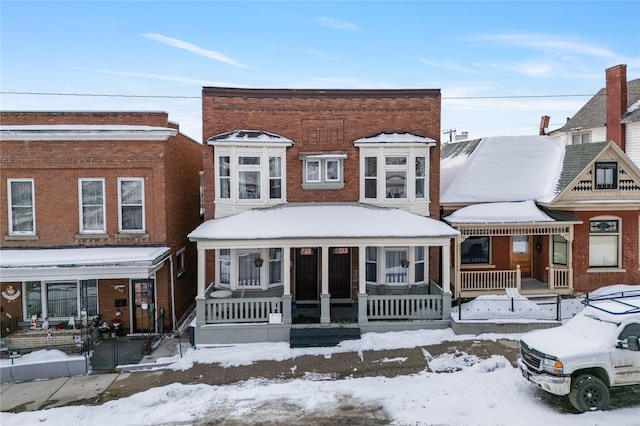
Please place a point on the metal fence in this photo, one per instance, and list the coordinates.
(541, 308)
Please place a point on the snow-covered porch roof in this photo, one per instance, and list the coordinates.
(348, 223)
(519, 217)
(80, 263)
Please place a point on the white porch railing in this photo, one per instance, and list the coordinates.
(241, 310)
(560, 278)
(404, 307)
(490, 280)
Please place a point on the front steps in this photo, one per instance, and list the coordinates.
(321, 337)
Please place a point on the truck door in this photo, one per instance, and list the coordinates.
(626, 363)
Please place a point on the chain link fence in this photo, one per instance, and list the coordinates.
(539, 308)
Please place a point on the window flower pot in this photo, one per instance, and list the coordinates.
(258, 261)
(404, 263)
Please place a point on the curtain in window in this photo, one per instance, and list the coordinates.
(62, 300)
(333, 173)
(224, 171)
(131, 204)
(420, 177)
(92, 206)
(22, 206)
(249, 185)
(603, 251)
(394, 271)
(275, 177)
(248, 272)
(89, 298)
(396, 184)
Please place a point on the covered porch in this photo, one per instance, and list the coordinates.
(520, 247)
(320, 266)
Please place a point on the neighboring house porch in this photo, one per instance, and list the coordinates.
(320, 265)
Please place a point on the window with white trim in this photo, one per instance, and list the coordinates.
(323, 171)
(131, 204)
(394, 178)
(475, 250)
(249, 177)
(371, 264)
(61, 299)
(580, 138)
(22, 217)
(250, 268)
(604, 243)
(92, 205)
(420, 263)
(560, 250)
(395, 266)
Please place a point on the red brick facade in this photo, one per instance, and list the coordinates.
(170, 172)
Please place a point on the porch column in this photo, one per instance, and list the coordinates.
(362, 271)
(446, 268)
(325, 297)
(286, 271)
(200, 299)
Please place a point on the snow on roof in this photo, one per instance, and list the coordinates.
(84, 132)
(310, 220)
(517, 212)
(395, 138)
(507, 168)
(85, 256)
(258, 136)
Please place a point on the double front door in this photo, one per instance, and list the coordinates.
(308, 273)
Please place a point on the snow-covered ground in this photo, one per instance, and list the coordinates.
(455, 389)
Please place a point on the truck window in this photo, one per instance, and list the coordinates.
(632, 329)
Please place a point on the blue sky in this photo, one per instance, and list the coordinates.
(491, 60)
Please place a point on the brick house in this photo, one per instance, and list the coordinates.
(304, 191)
(540, 216)
(95, 211)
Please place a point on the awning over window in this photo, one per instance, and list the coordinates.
(80, 263)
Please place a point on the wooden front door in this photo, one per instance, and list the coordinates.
(340, 272)
(143, 308)
(521, 254)
(306, 274)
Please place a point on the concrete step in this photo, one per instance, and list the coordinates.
(321, 337)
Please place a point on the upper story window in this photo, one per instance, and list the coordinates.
(131, 204)
(92, 206)
(394, 169)
(22, 217)
(606, 175)
(323, 171)
(249, 170)
(582, 137)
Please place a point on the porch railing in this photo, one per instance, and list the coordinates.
(241, 310)
(490, 280)
(404, 307)
(560, 278)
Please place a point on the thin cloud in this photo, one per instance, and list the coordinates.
(336, 23)
(156, 77)
(558, 44)
(174, 42)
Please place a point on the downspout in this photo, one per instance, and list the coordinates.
(173, 299)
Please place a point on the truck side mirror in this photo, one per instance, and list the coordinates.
(633, 343)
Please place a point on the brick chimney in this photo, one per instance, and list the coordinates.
(616, 104)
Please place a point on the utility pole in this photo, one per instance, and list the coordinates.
(451, 132)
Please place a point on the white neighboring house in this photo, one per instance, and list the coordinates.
(612, 114)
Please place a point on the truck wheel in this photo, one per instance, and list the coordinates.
(588, 393)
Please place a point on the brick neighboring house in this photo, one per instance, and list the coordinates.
(96, 208)
(612, 114)
(304, 191)
(540, 216)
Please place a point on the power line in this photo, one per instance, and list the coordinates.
(113, 95)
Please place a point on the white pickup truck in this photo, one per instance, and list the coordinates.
(594, 351)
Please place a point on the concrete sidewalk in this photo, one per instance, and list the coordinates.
(100, 388)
